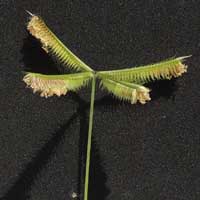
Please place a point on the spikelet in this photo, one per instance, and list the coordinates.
(49, 85)
(127, 91)
(51, 44)
(140, 94)
(37, 28)
(163, 70)
(45, 87)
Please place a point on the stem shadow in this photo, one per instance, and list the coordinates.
(21, 187)
(98, 178)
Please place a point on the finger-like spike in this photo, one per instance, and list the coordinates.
(51, 44)
(163, 70)
(127, 91)
(49, 85)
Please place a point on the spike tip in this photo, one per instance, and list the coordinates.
(31, 14)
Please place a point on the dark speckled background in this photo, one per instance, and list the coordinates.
(139, 152)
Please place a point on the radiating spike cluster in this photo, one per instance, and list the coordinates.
(129, 92)
(58, 85)
(51, 44)
(125, 84)
(144, 74)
